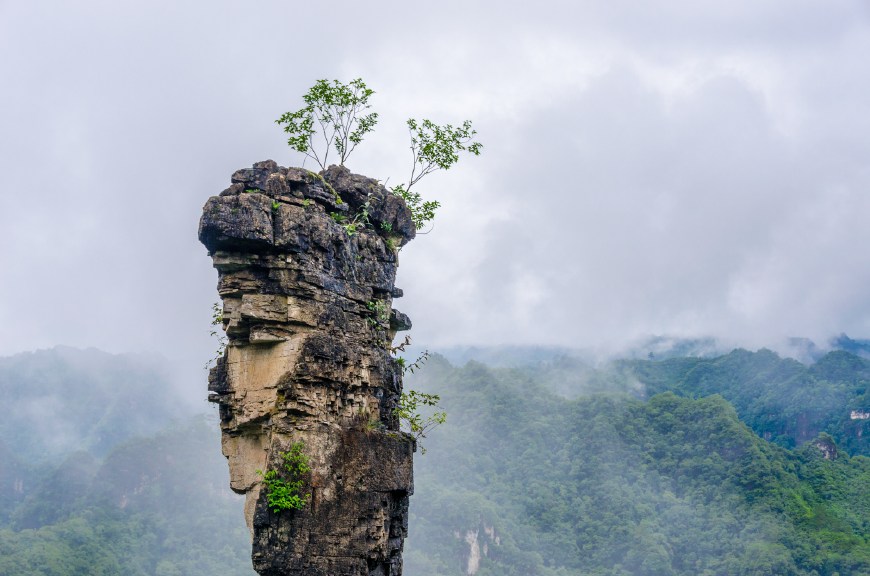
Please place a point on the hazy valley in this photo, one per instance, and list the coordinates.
(744, 463)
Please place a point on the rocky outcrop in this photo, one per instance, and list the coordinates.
(306, 267)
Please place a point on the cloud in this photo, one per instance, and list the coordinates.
(638, 210)
(664, 168)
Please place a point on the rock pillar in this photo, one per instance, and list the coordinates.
(306, 268)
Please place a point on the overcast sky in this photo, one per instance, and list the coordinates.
(685, 168)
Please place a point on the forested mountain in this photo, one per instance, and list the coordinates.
(95, 479)
(154, 506)
(551, 467)
(859, 347)
(522, 481)
(781, 399)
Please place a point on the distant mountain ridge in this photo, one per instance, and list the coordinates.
(781, 399)
(651, 348)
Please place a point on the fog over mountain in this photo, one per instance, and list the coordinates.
(746, 463)
(668, 168)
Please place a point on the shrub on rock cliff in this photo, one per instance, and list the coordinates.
(434, 148)
(284, 492)
(413, 421)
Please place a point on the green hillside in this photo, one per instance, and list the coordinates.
(781, 399)
(536, 484)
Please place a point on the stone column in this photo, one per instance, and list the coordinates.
(306, 268)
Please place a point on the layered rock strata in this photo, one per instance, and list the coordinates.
(306, 268)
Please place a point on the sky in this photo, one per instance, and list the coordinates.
(682, 168)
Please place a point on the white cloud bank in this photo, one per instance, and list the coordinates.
(657, 168)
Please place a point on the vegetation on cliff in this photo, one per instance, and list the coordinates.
(284, 488)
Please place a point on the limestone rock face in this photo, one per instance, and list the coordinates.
(306, 268)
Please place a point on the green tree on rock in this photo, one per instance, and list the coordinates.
(335, 117)
(335, 112)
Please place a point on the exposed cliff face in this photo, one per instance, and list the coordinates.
(308, 312)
